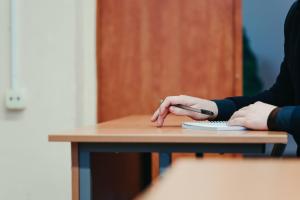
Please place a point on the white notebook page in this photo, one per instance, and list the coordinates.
(214, 125)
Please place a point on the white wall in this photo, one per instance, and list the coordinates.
(56, 56)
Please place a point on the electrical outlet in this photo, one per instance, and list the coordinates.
(15, 99)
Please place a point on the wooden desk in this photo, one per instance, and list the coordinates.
(228, 180)
(137, 134)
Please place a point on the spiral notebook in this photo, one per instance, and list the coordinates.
(213, 126)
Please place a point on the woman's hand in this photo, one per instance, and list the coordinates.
(254, 116)
(166, 108)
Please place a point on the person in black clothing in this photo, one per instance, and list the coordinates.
(275, 109)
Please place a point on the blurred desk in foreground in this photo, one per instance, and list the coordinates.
(138, 134)
(228, 180)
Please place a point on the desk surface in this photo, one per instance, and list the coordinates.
(139, 129)
(228, 180)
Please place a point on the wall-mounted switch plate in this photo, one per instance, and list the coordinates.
(15, 99)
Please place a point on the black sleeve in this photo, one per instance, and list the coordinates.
(280, 94)
(286, 119)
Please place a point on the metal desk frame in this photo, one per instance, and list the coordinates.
(164, 150)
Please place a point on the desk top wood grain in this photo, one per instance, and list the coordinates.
(228, 180)
(139, 129)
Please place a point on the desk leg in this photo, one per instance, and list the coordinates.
(75, 171)
(85, 185)
(165, 160)
(278, 150)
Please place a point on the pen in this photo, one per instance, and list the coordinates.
(202, 111)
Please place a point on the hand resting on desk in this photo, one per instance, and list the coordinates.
(167, 107)
(254, 116)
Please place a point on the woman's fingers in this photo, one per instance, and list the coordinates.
(161, 119)
(183, 112)
(241, 112)
(164, 107)
(161, 113)
(239, 121)
(179, 111)
(167, 106)
(155, 115)
(238, 114)
(172, 100)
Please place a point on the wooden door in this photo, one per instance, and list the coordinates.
(150, 49)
